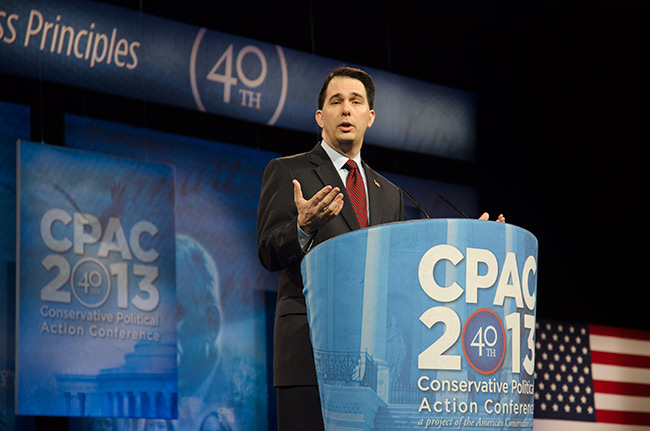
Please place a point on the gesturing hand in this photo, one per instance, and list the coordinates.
(320, 209)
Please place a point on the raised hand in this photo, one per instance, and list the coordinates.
(319, 210)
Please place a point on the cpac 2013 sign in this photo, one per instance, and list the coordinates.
(441, 315)
(96, 285)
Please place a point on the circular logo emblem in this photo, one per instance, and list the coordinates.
(91, 283)
(484, 341)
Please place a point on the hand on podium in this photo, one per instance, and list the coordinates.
(486, 216)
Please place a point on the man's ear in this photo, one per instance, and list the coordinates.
(371, 118)
(319, 118)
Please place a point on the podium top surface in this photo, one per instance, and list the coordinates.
(481, 228)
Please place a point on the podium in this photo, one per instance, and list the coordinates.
(425, 324)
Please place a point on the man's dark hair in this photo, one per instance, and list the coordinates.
(349, 72)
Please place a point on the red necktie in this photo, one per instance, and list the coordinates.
(357, 192)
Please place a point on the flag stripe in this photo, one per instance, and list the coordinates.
(629, 418)
(621, 403)
(621, 388)
(626, 346)
(619, 332)
(613, 373)
(560, 425)
(620, 359)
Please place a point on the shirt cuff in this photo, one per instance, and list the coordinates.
(304, 239)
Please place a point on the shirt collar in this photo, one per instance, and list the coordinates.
(337, 158)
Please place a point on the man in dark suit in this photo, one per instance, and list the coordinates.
(306, 199)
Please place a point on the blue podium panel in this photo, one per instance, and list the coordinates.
(425, 324)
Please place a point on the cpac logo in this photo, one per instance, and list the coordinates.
(482, 272)
(510, 284)
(90, 280)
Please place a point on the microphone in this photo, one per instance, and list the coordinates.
(414, 201)
(452, 205)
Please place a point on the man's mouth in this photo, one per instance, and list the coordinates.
(346, 126)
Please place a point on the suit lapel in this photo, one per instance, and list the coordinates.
(374, 196)
(324, 169)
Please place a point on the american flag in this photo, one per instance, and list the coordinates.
(591, 377)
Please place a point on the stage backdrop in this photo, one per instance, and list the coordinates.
(120, 51)
(222, 374)
(96, 290)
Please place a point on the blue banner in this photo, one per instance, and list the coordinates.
(425, 325)
(127, 53)
(221, 287)
(96, 285)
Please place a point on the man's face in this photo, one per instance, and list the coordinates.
(345, 115)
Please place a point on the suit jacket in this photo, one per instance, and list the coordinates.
(279, 249)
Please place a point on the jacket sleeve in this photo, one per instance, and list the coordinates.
(277, 219)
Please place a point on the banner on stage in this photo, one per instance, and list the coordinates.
(124, 52)
(222, 315)
(426, 324)
(96, 285)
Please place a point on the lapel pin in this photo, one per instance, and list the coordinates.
(376, 183)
